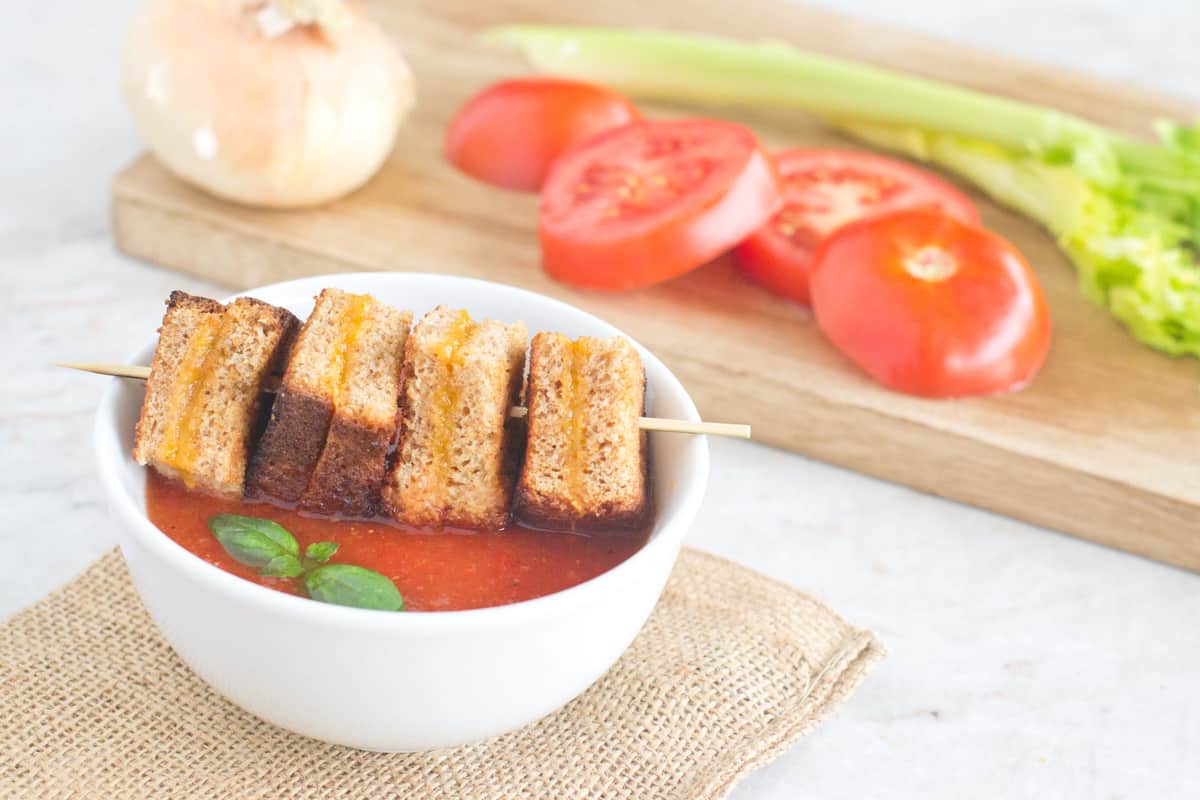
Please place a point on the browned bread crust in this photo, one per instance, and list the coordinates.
(351, 469)
(204, 394)
(585, 465)
(291, 444)
(455, 462)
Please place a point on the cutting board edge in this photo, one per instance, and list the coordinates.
(959, 468)
(942, 475)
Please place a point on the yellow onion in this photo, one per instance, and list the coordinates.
(279, 104)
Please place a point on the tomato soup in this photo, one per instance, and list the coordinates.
(434, 570)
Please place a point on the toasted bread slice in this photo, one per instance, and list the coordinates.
(455, 464)
(585, 465)
(204, 393)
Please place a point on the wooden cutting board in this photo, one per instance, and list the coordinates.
(1103, 445)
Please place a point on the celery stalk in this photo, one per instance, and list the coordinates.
(713, 70)
(1127, 212)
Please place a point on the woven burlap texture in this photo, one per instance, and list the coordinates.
(731, 669)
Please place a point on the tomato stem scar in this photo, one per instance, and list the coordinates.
(931, 263)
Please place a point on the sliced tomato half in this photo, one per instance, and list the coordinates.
(826, 189)
(511, 132)
(651, 200)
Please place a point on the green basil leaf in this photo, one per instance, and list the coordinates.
(350, 585)
(253, 541)
(321, 552)
(285, 566)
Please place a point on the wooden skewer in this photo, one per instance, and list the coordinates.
(645, 423)
(103, 368)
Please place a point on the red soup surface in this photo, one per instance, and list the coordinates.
(435, 571)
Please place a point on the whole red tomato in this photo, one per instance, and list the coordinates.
(931, 306)
(510, 133)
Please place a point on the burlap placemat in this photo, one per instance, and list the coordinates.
(731, 669)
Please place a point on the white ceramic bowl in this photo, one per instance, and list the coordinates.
(403, 681)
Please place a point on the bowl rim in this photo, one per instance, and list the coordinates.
(111, 458)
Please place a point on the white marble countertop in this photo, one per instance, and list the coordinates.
(1023, 663)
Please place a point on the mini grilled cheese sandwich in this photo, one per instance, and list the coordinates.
(585, 466)
(335, 414)
(204, 393)
(455, 464)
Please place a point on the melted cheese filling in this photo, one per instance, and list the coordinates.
(178, 448)
(345, 351)
(575, 390)
(447, 396)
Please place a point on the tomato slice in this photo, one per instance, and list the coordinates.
(822, 191)
(510, 133)
(931, 306)
(646, 202)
